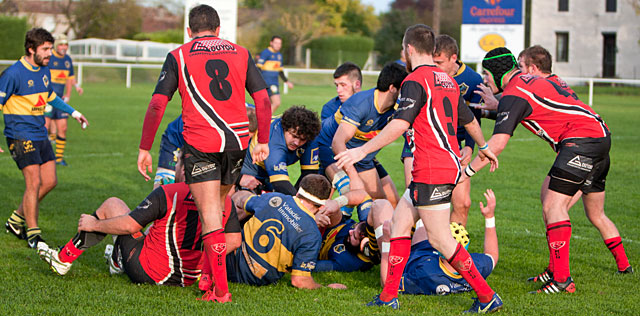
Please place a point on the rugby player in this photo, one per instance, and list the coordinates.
(25, 90)
(431, 105)
(270, 62)
(582, 141)
(292, 139)
(63, 78)
(358, 120)
(281, 236)
(211, 75)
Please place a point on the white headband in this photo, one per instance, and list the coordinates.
(310, 197)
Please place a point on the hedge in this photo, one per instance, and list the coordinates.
(328, 52)
(12, 32)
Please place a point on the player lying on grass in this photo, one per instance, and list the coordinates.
(292, 139)
(169, 254)
(428, 273)
(281, 236)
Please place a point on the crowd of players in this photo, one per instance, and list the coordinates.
(224, 208)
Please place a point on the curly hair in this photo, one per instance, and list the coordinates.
(35, 38)
(305, 123)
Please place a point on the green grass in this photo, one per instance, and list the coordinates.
(102, 163)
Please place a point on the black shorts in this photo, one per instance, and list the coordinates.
(30, 152)
(130, 247)
(423, 194)
(202, 167)
(380, 169)
(581, 164)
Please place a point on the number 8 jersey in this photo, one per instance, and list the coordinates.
(211, 75)
(430, 101)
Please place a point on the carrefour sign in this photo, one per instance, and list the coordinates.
(492, 12)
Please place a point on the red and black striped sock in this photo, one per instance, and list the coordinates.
(398, 256)
(559, 237)
(617, 250)
(462, 262)
(215, 248)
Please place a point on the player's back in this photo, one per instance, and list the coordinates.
(330, 108)
(281, 236)
(212, 79)
(434, 128)
(563, 84)
(554, 113)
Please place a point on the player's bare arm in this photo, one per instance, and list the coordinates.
(389, 133)
(119, 225)
(473, 128)
(307, 282)
(344, 133)
(490, 235)
(497, 143)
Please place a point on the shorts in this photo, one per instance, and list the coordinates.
(581, 164)
(130, 247)
(380, 169)
(30, 152)
(169, 154)
(202, 167)
(56, 114)
(251, 169)
(326, 157)
(273, 89)
(422, 194)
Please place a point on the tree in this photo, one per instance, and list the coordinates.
(388, 40)
(303, 24)
(106, 19)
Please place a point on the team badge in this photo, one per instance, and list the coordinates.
(443, 289)
(556, 245)
(393, 260)
(466, 265)
(369, 122)
(45, 80)
(55, 64)
(339, 248)
(67, 65)
(219, 248)
(30, 83)
(275, 201)
(463, 88)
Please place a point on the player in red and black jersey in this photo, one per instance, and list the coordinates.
(582, 141)
(168, 254)
(211, 75)
(431, 105)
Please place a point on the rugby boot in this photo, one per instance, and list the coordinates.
(35, 241)
(554, 286)
(206, 282)
(393, 303)
(115, 265)
(543, 277)
(628, 270)
(483, 308)
(210, 295)
(16, 229)
(50, 256)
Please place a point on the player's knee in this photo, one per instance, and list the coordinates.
(48, 184)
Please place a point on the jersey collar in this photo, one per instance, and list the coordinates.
(271, 49)
(461, 68)
(56, 53)
(29, 66)
(302, 207)
(423, 65)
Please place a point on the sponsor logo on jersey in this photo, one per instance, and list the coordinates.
(369, 123)
(339, 248)
(405, 103)
(440, 193)
(282, 166)
(556, 245)
(314, 156)
(201, 167)
(463, 88)
(393, 260)
(30, 83)
(55, 64)
(308, 265)
(443, 80)
(215, 45)
(443, 289)
(502, 117)
(163, 75)
(66, 64)
(45, 80)
(145, 204)
(275, 201)
(581, 162)
(3, 94)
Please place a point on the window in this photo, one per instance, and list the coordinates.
(611, 5)
(562, 46)
(563, 5)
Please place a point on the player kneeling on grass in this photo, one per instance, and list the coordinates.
(428, 273)
(169, 254)
(281, 237)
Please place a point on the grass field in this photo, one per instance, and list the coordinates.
(102, 163)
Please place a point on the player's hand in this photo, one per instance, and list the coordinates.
(488, 211)
(490, 101)
(87, 223)
(322, 220)
(349, 157)
(260, 152)
(488, 154)
(1, 151)
(330, 207)
(249, 182)
(66, 99)
(337, 286)
(289, 84)
(79, 90)
(83, 121)
(144, 163)
(465, 155)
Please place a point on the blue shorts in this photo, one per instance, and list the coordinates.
(56, 114)
(326, 157)
(30, 152)
(273, 89)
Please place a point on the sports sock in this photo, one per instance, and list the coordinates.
(398, 256)
(364, 208)
(215, 248)
(60, 144)
(617, 250)
(79, 243)
(33, 232)
(462, 262)
(16, 219)
(52, 137)
(559, 237)
(371, 234)
(550, 266)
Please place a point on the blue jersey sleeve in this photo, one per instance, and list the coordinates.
(352, 113)
(71, 72)
(253, 204)
(330, 108)
(306, 254)
(8, 86)
(276, 162)
(264, 55)
(309, 159)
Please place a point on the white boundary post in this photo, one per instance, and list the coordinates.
(128, 76)
(590, 92)
(284, 86)
(80, 74)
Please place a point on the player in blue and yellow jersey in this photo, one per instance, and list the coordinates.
(357, 121)
(427, 273)
(348, 80)
(446, 58)
(281, 236)
(270, 62)
(25, 89)
(292, 140)
(62, 78)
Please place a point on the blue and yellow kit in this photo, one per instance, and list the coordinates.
(426, 274)
(275, 167)
(24, 93)
(282, 236)
(270, 63)
(362, 111)
(334, 254)
(330, 108)
(61, 70)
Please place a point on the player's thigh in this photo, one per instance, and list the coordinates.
(130, 247)
(460, 196)
(404, 217)
(372, 183)
(48, 177)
